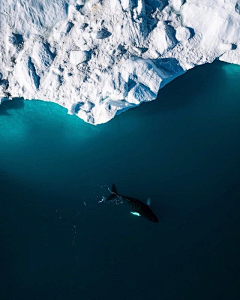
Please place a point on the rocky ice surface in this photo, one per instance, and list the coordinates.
(98, 58)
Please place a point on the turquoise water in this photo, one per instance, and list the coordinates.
(182, 151)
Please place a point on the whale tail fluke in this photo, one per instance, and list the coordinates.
(113, 193)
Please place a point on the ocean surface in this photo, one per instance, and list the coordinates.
(59, 241)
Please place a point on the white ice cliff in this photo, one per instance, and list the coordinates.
(98, 58)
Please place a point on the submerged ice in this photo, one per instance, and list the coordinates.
(98, 58)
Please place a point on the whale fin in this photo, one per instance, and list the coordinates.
(114, 189)
(149, 201)
(113, 193)
(135, 213)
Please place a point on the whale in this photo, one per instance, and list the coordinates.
(139, 208)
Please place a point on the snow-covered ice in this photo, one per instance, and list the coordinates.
(98, 58)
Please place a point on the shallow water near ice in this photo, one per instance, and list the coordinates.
(182, 151)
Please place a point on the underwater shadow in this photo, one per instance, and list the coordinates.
(186, 89)
(7, 105)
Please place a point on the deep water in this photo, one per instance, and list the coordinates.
(182, 151)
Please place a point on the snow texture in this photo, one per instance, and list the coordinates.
(99, 58)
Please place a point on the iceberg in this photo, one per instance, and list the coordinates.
(99, 58)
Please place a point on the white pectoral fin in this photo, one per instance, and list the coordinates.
(135, 213)
(149, 201)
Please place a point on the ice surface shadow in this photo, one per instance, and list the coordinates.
(169, 66)
(157, 4)
(34, 75)
(15, 103)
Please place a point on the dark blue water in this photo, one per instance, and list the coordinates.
(182, 151)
